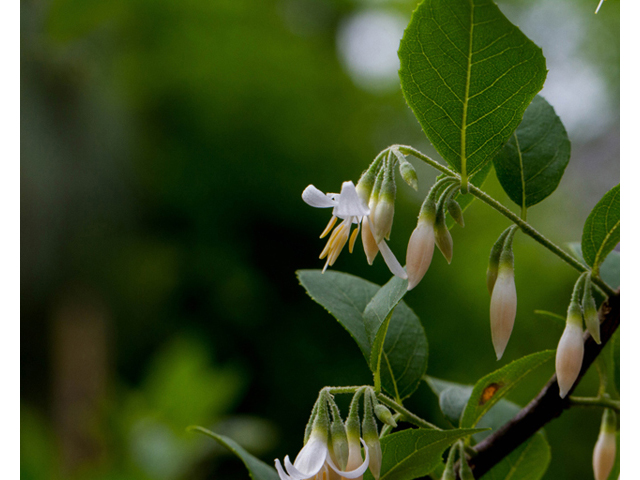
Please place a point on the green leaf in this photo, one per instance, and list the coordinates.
(468, 74)
(453, 398)
(416, 452)
(345, 297)
(532, 162)
(602, 229)
(256, 467)
(362, 307)
(609, 269)
(615, 352)
(491, 388)
(527, 462)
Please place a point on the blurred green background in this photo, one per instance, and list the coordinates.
(165, 146)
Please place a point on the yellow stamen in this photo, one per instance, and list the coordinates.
(353, 238)
(329, 247)
(328, 228)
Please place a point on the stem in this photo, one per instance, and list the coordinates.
(338, 390)
(406, 414)
(406, 149)
(538, 237)
(595, 402)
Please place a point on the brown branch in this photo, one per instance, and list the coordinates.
(548, 404)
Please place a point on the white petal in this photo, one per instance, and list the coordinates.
(314, 197)
(358, 472)
(391, 260)
(281, 473)
(349, 203)
(310, 459)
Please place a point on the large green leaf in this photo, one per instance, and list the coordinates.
(345, 297)
(416, 452)
(527, 462)
(609, 269)
(362, 307)
(256, 467)
(468, 74)
(491, 388)
(531, 164)
(602, 229)
(453, 398)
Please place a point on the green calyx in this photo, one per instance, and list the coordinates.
(494, 258)
(590, 311)
(338, 440)
(609, 423)
(368, 178)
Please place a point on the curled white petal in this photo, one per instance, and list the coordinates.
(391, 260)
(314, 197)
(281, 472)
(349, 203)
(310, 459)
(358, 472)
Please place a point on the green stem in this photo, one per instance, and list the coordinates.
(406, 414)
(538, 237)
(595, 402)
(407, 150)
(339, 390)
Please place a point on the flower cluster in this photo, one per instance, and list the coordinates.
(370, 206)
(332, 448)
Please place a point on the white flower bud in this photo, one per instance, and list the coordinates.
(368, 241)
(503, 308)
(604, 453)
(420, 252)
(383, 218)
(570, 352)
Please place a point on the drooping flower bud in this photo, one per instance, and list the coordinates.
(443, 237)
(367, 179)
(455, 211)
(338, 445)
(352, 425)
(570, 350)
(370, 436)
(407, 171)
(494, 259)
(604, 453)
(504, 300)
(383, 217)
(590, 311)
(385, 415)
(312, 418)
(421, 245)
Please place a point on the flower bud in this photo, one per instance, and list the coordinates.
(407, 171)
(504, 300)
(371, 438)
(383, 218)
(443, 237)
(368, 241)
(385, 415)
(338, 445)
(420, 251)
(604, 453)
(570, 351)
(590, 311)
(455, 211)
(494, 259)
(367, 179)
(503, 309)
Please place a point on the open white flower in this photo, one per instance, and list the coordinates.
(350, 208)
(314, 462)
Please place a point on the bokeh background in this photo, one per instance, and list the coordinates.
(165, 146)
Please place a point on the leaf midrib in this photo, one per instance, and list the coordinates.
(463, 132)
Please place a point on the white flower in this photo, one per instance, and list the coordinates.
(350, 208)
(569, 353)
(315, 462)
(420, 252)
